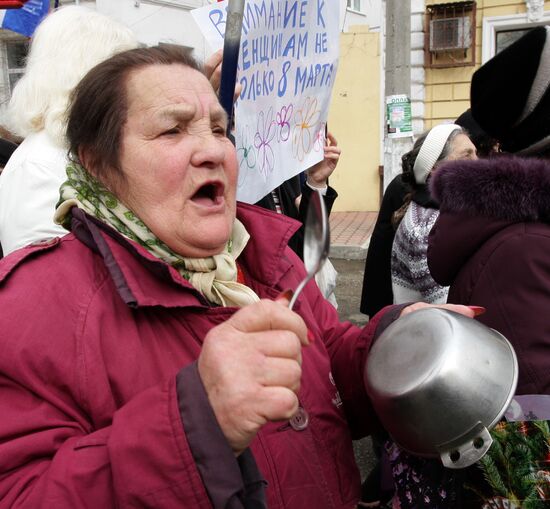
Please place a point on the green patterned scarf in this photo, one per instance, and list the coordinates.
(214, 277)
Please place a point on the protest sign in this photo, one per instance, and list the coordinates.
(287, 68)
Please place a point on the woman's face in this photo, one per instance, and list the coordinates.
(461, 148)
(180, 168)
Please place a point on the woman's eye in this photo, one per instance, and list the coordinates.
(218, 129)
(168, 132)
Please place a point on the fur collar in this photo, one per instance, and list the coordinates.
(504, 187)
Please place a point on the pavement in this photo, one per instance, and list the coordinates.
(350, 234)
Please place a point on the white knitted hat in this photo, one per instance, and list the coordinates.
(431, 150)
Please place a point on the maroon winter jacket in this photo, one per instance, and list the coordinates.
(101, 403)
(491, 243)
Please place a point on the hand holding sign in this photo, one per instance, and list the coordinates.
(318, 174)
(213, 71)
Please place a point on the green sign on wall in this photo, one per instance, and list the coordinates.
(398, 116)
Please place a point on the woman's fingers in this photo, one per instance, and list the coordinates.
(457, 308)
(213, 71)
(283, 344)
(280, 403)
(213, 66)
(268, 315)
(332, 154)
(278, 372)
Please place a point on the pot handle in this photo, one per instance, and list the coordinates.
(467, 449)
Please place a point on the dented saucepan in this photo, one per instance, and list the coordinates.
(439, 382)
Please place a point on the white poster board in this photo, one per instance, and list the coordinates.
(287, 68)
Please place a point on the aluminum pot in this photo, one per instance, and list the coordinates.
(439, 381)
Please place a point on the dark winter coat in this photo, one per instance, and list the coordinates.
(287, 193)
(102, 405)
(491, 243)
(377, 286)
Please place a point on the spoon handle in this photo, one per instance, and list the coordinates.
(299, 289)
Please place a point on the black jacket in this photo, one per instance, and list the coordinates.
(288, 191)
(377, 289)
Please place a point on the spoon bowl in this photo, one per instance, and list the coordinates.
(316, 241)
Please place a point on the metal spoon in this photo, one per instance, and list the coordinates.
(316, 241)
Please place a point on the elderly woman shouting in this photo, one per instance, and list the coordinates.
(139, 367)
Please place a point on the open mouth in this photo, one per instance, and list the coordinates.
(209, 194)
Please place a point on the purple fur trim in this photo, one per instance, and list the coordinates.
(505, 187)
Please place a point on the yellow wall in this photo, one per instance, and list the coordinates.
(448, 89)
(355, 121)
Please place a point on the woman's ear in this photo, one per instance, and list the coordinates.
(83, 157)
(107, 176)
(87, 161)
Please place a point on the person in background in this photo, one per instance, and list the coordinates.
(492, 240)
(160, 365)
(7, 148)
(66, 44)
(396, 266)
(486, 145)
(376, 292)
(377, 286)
(292, 199)
(411, 279)
(491, 244)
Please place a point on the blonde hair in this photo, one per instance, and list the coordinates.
(65, 46)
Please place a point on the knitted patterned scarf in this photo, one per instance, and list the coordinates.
(214, 277)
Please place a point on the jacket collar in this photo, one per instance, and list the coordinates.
(141, 279)
(264, 256)
(505, 188)
(479, 199)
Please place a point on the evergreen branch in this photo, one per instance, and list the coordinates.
(492, 476)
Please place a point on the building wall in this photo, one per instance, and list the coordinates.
(370, 14)
(156, 21)
(354, 120)
(447, 90)
(418, 74)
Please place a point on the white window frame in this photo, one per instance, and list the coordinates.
(11, 70)
(494, 24)
(361, 7)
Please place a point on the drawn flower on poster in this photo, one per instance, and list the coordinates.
(305, 122)
(266, 130)
(320, 138)
(284, 117)
(246, 155)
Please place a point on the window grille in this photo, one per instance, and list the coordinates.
(450, 35)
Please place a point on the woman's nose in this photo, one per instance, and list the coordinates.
(209, 151)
